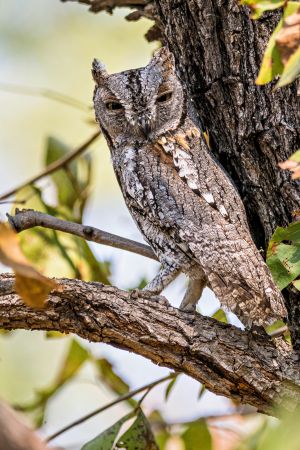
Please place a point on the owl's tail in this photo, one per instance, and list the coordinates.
(260, 304)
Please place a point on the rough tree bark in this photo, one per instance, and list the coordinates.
(237, 364)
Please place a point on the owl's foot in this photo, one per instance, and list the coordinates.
(192, 295)
(189, 308)
(149, 295)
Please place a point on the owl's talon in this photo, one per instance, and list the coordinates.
(189, 309)
(148, 295)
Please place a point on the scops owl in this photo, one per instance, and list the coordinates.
(179, 196)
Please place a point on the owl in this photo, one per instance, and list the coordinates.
(183, 202)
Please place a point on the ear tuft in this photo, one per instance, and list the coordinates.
(163, 58)
(99, 71)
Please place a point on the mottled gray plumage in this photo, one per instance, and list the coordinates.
(181, 199)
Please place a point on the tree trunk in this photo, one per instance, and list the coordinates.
(218, 51)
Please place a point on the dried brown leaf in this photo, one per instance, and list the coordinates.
(31, 285)
(288, 38)
(288, 164)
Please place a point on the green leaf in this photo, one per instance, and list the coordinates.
(108, 376)
(284, 435)
(295, 156)
(162, 434)
(290, 233)
(76, 357)
(73, 180)
(220, 316)
(139, 436)
(201, 391)
(96, 270)
(271, 64)
(105, 440)
(283, 259)
(170, 387)
(291, 70)
(55, 149)
(197, 436)
(54, 335)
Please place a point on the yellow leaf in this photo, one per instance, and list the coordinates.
(276, 52)
(31, 285)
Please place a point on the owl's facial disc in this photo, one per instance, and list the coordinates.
(139, 104)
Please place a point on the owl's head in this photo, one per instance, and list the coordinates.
(139, 104)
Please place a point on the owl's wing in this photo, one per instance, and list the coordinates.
(236, 272)
(204, 175)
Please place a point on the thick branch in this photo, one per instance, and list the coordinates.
(27, 218)
(15, 435)
(230, 362)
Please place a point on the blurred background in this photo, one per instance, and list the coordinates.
(48, 45)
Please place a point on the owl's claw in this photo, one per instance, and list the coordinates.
(189, 309)
(148, 295)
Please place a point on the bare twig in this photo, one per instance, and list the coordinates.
(9, 202)
(44, 92)
(109, 5)
(27, 218)
(120, 399)
(54, 166)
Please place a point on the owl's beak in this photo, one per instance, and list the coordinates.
(145, 126)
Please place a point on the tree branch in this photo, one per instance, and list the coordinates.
(96, 6)
(27, 218)
(228, 361)
(45, 92)
(142, 8)
(14, 434)
(54, 166)
(120, 399)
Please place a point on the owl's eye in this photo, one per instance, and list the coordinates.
(164, 97)
(113, 106)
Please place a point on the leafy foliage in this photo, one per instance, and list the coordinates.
(76, 357)
(197, 435)
(282, 55)
(73, 256)
(170, 387)
(283, 256)
(105, 440)
(275, 435)
(138, 436)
